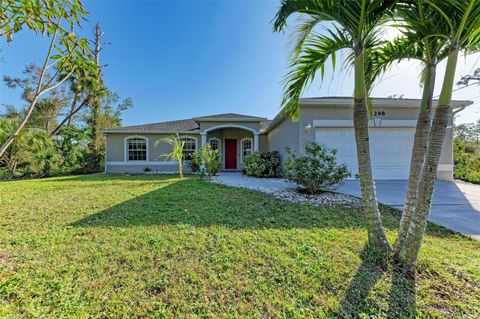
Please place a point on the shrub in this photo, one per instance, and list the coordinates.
(206, 161)
(266, 164)
(196, 162)
(315, 170)
(467, 160)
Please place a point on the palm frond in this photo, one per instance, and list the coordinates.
(315, 54)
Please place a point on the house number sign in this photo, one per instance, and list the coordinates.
(379, 113)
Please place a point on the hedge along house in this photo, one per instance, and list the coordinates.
(327, 121)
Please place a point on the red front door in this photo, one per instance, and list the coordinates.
(230, 154)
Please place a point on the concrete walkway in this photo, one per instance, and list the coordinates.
(455, 205)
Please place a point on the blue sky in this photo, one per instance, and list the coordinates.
(179, 59)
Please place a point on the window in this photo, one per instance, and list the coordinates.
(189, 148)
(137, 149)
(214, 143)
(246, 147)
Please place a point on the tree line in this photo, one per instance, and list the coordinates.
(66, 101)
(431, 31)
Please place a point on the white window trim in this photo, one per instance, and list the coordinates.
(241, 147)
(125, 143)
(216, 127)
(219, 143)
(184, 137)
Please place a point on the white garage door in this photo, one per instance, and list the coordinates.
(390, 149)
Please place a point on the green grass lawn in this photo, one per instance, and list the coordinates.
(108, 246)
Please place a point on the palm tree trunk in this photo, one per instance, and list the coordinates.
(409, 253)
(418, 155)
(180, 168)
(376, 234)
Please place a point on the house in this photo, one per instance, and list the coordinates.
(325, 120)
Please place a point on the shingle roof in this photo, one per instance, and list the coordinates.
(170, 126)
(264, 125)
(186, 125)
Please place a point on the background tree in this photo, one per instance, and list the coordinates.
(68, 54)
(466, 151)
(24, 151)
(48, 106)
(41, 16)
(355, 26)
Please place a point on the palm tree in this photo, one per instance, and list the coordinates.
(459, 22)
(176, 153)
(354, 25)
(418, 24)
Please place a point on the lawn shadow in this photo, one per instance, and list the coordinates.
(196, 202)
(401, 301)
(193, 201)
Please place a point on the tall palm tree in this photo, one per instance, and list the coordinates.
(459, 22)
(352, 25)
(418, 23)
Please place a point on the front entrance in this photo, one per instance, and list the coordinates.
(230, 154)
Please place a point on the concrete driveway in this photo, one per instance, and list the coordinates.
(455, 205)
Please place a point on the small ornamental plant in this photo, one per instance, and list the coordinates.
(206, 161)
(316, 169)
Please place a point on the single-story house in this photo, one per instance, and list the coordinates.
(325, 120)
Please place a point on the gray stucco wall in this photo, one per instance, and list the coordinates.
(115, 150)
(115, 161)
(285, 134)
(296, 136)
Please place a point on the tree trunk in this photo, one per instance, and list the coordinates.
(97, 100)
(69, 116)
(72, 112)
(408, 254)
(418, 156)
(95, 129)
(376, 234)
(38, 92)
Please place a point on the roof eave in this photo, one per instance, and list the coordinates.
(347, 102)
(229, 119)
(148, 132)
(377, 102)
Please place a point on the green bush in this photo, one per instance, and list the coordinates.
(315, 170)
(266, 164)
(196, 162)
(206, 161)
(467, 161)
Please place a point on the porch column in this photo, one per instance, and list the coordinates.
(256, 142)
(204, 138)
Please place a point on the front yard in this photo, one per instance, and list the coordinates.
(103, 246)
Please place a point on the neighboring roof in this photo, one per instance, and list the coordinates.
(230, 117)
